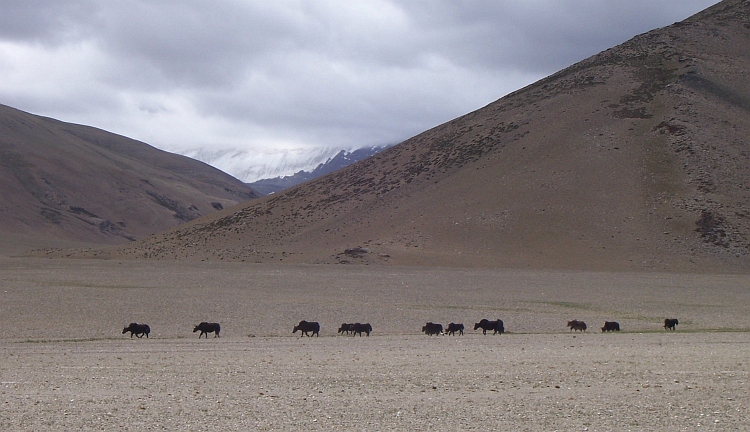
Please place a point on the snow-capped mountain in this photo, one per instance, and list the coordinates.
(340, 160)
(250, 165)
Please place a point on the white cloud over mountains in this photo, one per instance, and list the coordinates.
(193, 75)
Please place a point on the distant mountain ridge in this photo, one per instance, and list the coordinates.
(250, 165)
(342, 159)
(77, 183)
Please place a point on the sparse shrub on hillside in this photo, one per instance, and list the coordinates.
(711, 229)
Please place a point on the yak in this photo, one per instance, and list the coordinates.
(346, 328)
(670, 324)
(205, 328)
(453, 328)
(304, 327)
(358, 328)
(610, 326)
(432, 329)
(497, 326)
(577, 325)
(137, 329)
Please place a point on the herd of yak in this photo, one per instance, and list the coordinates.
(311, 328)
(140, 330)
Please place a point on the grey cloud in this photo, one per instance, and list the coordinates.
(343, 73)
(184, 44)
(50, 22)
(537, 35)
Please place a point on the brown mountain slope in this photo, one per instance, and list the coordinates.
(635, 158)
(66, 182)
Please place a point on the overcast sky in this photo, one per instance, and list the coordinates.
(233, 74)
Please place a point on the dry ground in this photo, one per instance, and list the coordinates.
(65, 365)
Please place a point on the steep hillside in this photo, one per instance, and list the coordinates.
(636, 158)
(72, 183)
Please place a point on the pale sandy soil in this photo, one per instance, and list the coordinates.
(64, 364)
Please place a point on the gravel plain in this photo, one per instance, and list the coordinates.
(65, 365)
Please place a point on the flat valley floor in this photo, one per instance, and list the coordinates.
(65, 364)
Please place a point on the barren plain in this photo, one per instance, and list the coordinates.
(65, 365)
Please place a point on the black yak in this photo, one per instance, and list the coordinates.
(670, 324)
(205, 328)
(306, 327)
(453, 328)
(345, 328)
(610, 326)
(358, 328)
(137, 329)
(577, 325)
(497, 326)
(432, 329)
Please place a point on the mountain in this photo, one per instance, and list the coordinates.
(342, 159)
(73, 183)
(251, 165)
(635, 158)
